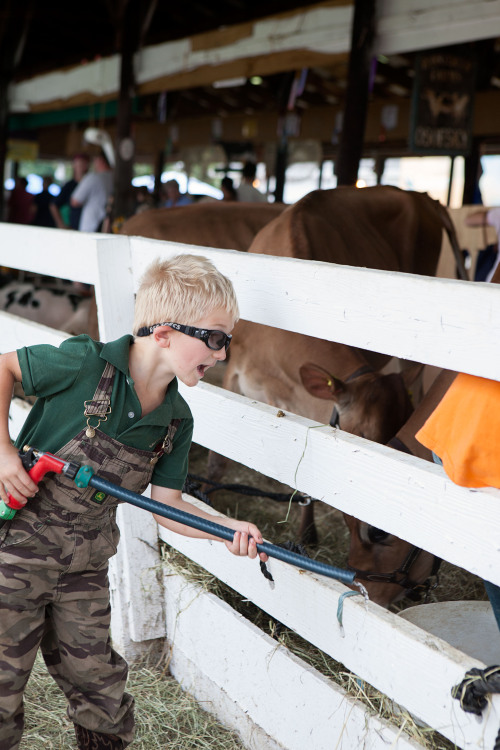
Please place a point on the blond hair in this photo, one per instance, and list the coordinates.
(183, 289)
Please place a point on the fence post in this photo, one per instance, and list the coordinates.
(136, 594)
(114, 287)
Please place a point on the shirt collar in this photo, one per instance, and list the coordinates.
(117, 352)
(173, 407)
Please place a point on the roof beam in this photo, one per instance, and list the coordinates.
(307, 37)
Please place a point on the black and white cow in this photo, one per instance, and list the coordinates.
(58, 308)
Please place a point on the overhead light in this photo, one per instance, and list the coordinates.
(229, 83)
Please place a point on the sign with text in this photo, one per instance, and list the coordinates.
(443, 96)
(19, 150)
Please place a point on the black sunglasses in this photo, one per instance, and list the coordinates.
(215, 340)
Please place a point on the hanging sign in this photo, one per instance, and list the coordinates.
(19, 150)
(443, 96)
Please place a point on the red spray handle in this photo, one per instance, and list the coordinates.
(38, 463)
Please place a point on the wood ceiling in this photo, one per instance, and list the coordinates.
(61, 34)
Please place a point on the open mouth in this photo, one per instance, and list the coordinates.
(201, 370)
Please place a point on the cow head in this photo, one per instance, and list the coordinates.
(370, 405)
(375, 407)
(388, 567)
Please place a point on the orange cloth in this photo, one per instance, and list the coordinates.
(464, 431)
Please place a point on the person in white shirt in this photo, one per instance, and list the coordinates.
(247, 193)
(92, 194)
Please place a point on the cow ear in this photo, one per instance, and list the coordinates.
(319, 382)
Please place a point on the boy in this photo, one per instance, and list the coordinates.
(116, 407)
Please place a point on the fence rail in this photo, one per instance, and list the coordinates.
(450, 324)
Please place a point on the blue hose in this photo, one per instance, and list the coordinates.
(209, 527)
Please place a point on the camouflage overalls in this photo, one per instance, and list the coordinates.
(54, 584)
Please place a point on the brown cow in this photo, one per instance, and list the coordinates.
(372, 550)
(381, 227)
(227, 226)
(390, 568)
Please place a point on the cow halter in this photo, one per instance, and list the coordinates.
(401, 576)
(363, 370)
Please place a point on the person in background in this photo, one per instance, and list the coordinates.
(65, 215)
(174, 196)
(143, 199)
(43, 216)
(228, 190)
(21, 208)
(484, 217)
(92, 193)
(246, 190)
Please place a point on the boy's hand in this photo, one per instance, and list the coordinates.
(245, 540)
(14, 479)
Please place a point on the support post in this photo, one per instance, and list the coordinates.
(358, 81)
(281, 162)
(472, 174)
(160, 160)
(13, 33)
(134, 22)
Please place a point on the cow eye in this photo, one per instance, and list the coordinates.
(376, 536)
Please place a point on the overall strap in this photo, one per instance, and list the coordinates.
(168, 441)
(100, 405)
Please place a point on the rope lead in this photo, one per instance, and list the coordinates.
(472, 691)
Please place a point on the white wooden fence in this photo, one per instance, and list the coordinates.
(235, 670)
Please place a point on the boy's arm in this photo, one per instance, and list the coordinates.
(14, 480)
(246, 536)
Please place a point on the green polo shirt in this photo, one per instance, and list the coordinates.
(64, 378)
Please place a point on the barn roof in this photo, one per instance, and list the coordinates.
(61, 36)
(80, 43)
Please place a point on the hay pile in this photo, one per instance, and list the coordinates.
(166, 717)
(375, 702)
